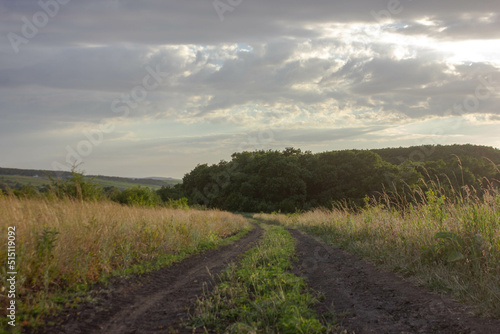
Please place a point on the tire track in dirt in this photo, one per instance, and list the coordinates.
(156, 302)
(369, 300)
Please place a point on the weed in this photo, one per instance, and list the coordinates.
(44, 246)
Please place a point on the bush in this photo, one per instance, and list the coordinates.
(167, 193)
(181, 203)
(27, 191)
(77, 187)
(138, 196)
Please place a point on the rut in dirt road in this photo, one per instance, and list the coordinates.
(369, 300)
(157, 301)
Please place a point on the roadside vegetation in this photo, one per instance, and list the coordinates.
(80, 187)
(63, 245)
(258, 295)
(450, 244)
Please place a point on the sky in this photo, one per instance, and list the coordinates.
(155, 87)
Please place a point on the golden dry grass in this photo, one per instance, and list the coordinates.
(62, 244)
(449, 246)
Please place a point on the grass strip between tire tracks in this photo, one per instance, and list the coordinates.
(259, 295)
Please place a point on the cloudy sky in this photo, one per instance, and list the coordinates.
(152, 88)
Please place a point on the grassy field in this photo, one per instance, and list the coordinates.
(448, 245)
(13, 180)
(258, 295)
(64, 246)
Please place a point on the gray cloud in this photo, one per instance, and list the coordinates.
(317, 72)
(197, 22)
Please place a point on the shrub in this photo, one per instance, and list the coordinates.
(181, 203)
(27, 191)
(139, 196)
(76, 187)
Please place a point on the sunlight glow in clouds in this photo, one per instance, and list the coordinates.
(317, 75)
(474, 51)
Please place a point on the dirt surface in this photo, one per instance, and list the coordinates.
(369, 300)
(154, 303)
(363, 298)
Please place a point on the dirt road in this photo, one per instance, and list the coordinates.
(155, 302)
(368, 300)
(364, 299)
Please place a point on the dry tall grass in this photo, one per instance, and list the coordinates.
(60, 244)
(450, 245)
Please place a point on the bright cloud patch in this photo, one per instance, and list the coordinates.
(183, 85)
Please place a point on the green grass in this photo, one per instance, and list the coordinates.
(122, 184)
(166, 260)
(12, 180)
(258, 295)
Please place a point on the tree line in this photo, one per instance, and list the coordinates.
(291, 180)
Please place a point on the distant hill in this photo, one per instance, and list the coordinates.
(160, 178)
(14, 177)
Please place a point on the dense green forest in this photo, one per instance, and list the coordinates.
(437, 152)
(292, 180)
